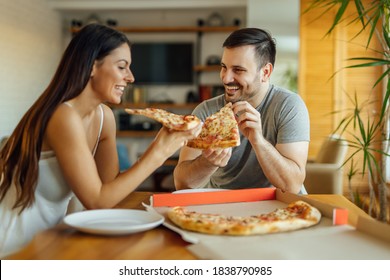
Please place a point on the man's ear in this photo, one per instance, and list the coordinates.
(267, 71)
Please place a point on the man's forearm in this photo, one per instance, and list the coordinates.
(282, 172)
(193, 173)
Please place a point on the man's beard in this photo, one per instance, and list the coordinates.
(232, 100)
(242, 97)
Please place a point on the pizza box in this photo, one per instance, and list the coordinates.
(333, 238)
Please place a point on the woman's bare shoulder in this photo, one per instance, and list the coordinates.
(64, 116)
(64, 126)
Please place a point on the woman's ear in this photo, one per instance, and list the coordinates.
(93, 69)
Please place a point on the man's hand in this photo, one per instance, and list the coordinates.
(249, 121)
(217, 157)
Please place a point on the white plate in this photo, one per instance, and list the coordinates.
(200, 190)
(113, 221)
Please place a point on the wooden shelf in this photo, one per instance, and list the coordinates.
(160, 29)
(207, 68)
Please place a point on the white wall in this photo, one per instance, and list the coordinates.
(30, 49)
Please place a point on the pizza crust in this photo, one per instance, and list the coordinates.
(296, 215)
(222, 144)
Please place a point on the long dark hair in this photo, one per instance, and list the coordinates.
(265, 45)
(20, 156)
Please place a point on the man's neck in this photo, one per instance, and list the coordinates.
(256, 100)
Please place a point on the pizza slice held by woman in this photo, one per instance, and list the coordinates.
(168, 119)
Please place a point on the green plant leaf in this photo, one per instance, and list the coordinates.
(339, 14)
(385, 101)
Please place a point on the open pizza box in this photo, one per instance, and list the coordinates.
(333, 238)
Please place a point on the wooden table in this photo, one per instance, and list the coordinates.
(64, 243)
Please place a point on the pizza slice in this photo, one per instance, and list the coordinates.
(219, 130)
(168, 119)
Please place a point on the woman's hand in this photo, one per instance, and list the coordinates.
(168, 141)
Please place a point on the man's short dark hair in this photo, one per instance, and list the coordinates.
(265, 45)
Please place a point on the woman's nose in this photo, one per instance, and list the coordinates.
(130, 77)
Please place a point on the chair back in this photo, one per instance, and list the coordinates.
(325, 174)
(333, 150)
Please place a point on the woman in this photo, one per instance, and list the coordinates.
(65, 144)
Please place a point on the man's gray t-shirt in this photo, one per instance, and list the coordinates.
(284, 119)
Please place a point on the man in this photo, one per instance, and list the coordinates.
(273, 122)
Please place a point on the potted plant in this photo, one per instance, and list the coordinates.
(365, 132)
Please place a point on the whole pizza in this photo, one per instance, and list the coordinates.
(296, 215)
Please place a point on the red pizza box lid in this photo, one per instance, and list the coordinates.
(213, 197)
